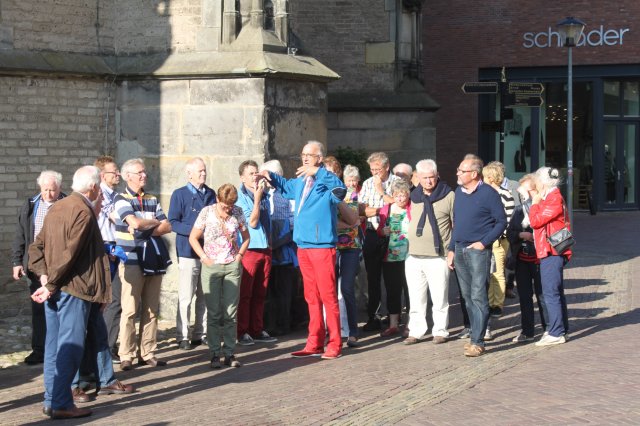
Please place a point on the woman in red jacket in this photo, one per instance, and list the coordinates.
(548, 215)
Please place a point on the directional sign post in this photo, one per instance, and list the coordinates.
(524, 95)
(480, 87)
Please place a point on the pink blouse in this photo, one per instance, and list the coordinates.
(221, 246)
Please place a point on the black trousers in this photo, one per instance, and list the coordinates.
(113, 312)
(38, 321)
(373, 264)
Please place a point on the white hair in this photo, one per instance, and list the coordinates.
(191, 164)
(273, 166)
(548, 177)
(85, 179)
(351, 171)
(319, 145)
(126, 167)
(426, 166)
(46, 175)
(402, 168)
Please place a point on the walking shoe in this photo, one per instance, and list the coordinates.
(307, 352)
(352, 342)
(372, 325)
(184, 345)
(510, 293)
(197, 342)
(522, 338)
(72, 413)
(331, 354)
(495, 312)
(152, 362)
(79, 396)
(467, 345)
(231, 361)
(264, 337)
(410, 341)
(391, 331)
(549, 340)
(215, 363)
(126, 365)
(245, 340)
(117, 388)
(47, 411)
(465, 333)
(438, 340)
(474, 351)
(34, 358)
(488, 335)
(115, 359)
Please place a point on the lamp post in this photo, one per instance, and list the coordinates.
(570, 30)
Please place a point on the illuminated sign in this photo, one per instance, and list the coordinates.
(595, 37)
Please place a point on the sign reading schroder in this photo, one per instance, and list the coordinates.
(595, 37)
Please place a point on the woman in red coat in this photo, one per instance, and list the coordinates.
(548, 215)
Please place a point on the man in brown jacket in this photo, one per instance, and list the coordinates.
(68, 257)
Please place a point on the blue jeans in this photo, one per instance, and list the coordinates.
(348, 263)
(97, 349)
(66, 318)
(551, 268)
(472, 268)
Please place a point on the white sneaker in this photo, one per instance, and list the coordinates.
(488, 335)
(522, 338)
(549, 340)
(246, 340)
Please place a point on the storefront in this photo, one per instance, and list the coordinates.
(525, 42)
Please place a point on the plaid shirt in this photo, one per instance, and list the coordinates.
(371, 198)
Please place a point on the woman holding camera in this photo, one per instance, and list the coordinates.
(547, 216)
(527, 265)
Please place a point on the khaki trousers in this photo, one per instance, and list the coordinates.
(141, 292)
(497, 282)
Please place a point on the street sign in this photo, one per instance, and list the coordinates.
(523, 94)
(480, 87)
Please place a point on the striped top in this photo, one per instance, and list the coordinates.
(508, 203)
(129, 203)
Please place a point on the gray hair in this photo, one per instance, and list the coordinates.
(126, 167)
(426, 166)
(379, 156)
(403, 168)
(85, 178)
(351, 171)
(273, 166)
(191, 163)
(400, 185)
(318, 145)
(548, 177)
(46, 175)
(476, 162)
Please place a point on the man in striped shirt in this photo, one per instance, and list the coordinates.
(139, 216)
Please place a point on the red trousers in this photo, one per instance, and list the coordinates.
(256, 265)
(319, 275)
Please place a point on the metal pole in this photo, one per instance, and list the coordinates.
(570, 139)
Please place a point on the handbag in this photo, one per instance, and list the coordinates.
(561, 240)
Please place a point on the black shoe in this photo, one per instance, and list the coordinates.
(34, 358)
(198, 342)
(372, 325)
(215, 363)
(495, 312)
(185, 345)
(115, 359)
(231, 361)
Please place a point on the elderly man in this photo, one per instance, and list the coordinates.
(479, 220)
(256, 263)
(109, 180)
(375, 193)
(426, 268)
(69, 258)
(186, 204)
(405, 172)
(30, 220)
(317, 193)
(139, 217)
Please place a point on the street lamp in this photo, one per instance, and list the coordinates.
(570, 30)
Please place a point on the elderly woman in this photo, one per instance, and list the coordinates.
(548, 215)
(527, 264)
(214, 238)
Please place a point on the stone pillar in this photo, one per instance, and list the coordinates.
(282, 21)
(229, 22)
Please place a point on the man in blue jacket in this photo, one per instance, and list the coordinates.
(317, 193)
(186, 204)
(478, 220)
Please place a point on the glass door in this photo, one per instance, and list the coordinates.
(619, 164)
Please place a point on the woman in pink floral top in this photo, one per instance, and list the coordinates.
(218, 226)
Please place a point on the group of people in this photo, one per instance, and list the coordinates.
(101, 247)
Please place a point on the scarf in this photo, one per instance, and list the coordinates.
(418, 196)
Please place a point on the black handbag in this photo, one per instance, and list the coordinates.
(561, 240)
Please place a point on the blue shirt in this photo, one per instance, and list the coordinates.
(261, 233)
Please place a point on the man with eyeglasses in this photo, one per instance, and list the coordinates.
(109, 180)
(139, 216)
(478, 220)
(375, 193)
(317, 193)
(186, 204)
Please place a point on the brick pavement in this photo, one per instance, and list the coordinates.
(594, 378)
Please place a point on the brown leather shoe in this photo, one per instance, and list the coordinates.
(117, 388)
(152, 362)
(474, 351)
(79, 396)
(438, 340)
(72, 413)
(126, 365)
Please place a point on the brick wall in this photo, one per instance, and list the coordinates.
(47, 124)
(459, 39)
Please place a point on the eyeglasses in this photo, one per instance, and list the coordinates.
(374, 171)
(303, 156)
(464, 171)
(140, 173)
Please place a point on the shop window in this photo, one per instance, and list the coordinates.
(612, 98)
(631, 99)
